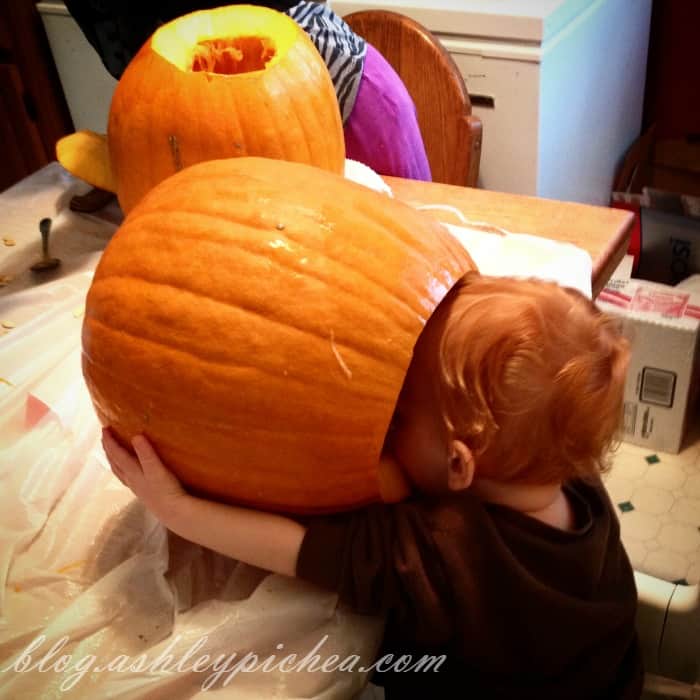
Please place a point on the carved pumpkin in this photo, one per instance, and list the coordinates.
(222, 83)
(255, 319)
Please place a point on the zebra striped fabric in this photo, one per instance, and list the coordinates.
(342, 50)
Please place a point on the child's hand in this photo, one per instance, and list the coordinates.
(149, 479)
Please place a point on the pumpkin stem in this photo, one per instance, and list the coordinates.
(175, 151)
(243, 54)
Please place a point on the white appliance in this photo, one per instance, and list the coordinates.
(86, 83)
(558, 85)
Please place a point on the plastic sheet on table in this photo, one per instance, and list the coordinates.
(87, 571)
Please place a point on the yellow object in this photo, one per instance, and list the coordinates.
(85, 154)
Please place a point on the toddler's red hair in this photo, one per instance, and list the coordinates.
(531, 379)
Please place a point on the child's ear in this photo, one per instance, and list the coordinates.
(460, 469)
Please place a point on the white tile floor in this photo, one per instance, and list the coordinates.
(658, 499)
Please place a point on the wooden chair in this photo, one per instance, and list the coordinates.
(451, 133)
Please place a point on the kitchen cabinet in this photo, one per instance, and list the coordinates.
(33, 112)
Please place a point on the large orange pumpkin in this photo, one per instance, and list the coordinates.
(233, 81)
(255, 318)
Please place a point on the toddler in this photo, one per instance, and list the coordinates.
(507, 561)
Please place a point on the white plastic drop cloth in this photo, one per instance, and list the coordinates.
(82, 561)
(97, 599)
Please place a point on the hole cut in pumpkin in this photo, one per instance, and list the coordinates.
(244, 54)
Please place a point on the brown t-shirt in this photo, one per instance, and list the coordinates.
(520, 609)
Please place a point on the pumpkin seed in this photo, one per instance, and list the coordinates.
(9, 242)
(7, 324)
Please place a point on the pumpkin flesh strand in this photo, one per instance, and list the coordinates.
(232, 56)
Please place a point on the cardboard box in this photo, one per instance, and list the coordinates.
(659, 180)
(670, 249)
(662, 324)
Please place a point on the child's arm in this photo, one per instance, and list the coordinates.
(377, 558)
(271, 542)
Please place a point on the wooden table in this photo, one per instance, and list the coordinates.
(601, 231)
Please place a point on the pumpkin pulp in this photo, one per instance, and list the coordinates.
(233, 56)
(220, 42)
